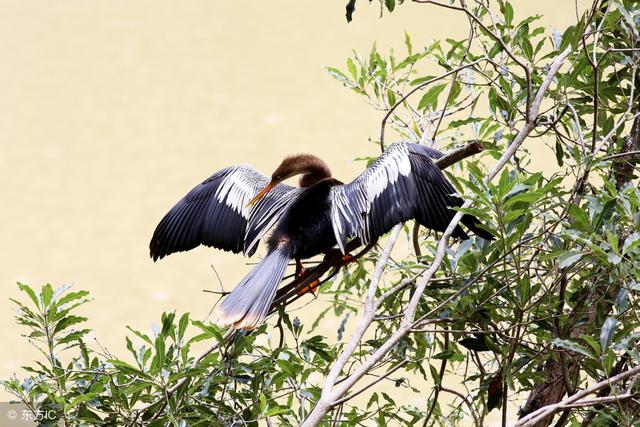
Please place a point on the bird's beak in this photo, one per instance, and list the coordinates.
(262, 193)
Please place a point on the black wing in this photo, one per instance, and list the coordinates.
(215, 213)
(403, 183)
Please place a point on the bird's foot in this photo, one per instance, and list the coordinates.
(301, 270)
(301, 273)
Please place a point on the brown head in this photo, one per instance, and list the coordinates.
(313, 169)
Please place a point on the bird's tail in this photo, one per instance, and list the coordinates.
(472, 223)
(248, 304)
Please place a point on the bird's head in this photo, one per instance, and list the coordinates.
(290, 166)
(312, 169)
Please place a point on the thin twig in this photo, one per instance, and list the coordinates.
(417, 88)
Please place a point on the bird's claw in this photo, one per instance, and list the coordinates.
(301, 271)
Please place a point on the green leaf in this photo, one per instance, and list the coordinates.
(27, 289)
(407, 43)
(140, 335)
(631, 242)
(263, 402)
(80, 399)
(130, 370)
(391, 96)
(458, 123)
(211, 329)
(612, 239)
(391, 4)
(530, 196)
(527, 48)
(515, 190)
(72, 296)
(559, 152)
(67, 322)
(508, 13)
(512, 215)
(569, 258)
(182, 324)
(607, 331)
(579, 217)
(578, 32)
(446, 354)
(277, 410)
(167, 323)
(430, 99)
(373, 399)
(352, 69)
(160, 353)
(421, 80)
(572, 346)
(456, 89)
(608, 361)
(46, 294)
(592, 342)
(434, 374)
(340, 76)
(287, 367)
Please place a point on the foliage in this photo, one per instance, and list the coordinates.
(548, 308)
(246, 380)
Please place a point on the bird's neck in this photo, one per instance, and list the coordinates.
(314, 171)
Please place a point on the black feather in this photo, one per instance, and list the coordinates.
(206, 217)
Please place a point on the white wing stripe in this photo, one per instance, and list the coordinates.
(237, 189)
(351, 204)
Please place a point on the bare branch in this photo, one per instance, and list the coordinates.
(546, 411)
(454, 156)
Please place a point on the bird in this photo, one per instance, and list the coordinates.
(237, 206)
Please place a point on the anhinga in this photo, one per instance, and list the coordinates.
(234, 208)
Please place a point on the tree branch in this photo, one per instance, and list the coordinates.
(547, 411)
(331, 394)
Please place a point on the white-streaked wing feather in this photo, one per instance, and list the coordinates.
(266, 212)
(215, 213)
(403, 183)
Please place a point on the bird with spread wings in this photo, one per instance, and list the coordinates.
(234, 209)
